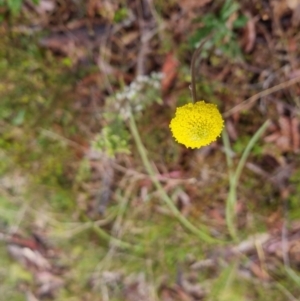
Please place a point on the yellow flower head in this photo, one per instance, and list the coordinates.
(196, 125)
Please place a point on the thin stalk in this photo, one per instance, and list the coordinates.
(248, 148)
(231, 198)
(235, 176)
(193, 67)
(168, 201)
(115, 241)
(110, 239)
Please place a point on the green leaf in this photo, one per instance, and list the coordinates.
(240, 22)
(17, 273)
(228, 9)
(19, 118)
(14, 6)
(199, 35)
(120, 15)
(223, 285)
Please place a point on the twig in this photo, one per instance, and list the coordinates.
(161, 178)
(248, 103)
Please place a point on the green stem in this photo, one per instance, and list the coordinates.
(115, 241)
(247, 150)
(110, 239)
(168, 201)
(235, 176)
(231, 198)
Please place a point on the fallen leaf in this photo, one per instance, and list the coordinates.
(48, 283)
(217, 216)
(29, 258)
(136, 288)
(169, 71)
(259, 272)
(292, 4)
(295, 134)
(231, 129)
(30, 296)
(296, 16)
(272, 137)
(193, 4)
(285, 140)
(249, 34)
(294, 251)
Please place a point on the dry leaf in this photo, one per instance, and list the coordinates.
(250, 34)
(295, 134)
(231, 129)
(284, 141)
(48, 283)
(28, 257)
(281, 7)
(45, 6)
(193, 4)
(259, 272)
(169, 71)
(296, 16)
(292, 4)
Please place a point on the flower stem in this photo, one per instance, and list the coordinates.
(193, 67)
(143, 153)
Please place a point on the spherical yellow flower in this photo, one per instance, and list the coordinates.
(196, 125)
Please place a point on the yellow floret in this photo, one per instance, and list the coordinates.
(196, 125)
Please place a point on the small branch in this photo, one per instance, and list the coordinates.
(248, 103)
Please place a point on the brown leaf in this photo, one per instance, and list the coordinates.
(296, 16)
(285, 140)
(169, 70)
(48, 283)
(45, 6)
(216, 215)
(136, 288)
(275, 221)
(193, 289)
(30, 296)
(279, 9)
(105, 8)
(259, 272)
(292, 4)
(231, 129)
(284, 124)
(174, 294)
(295, 134)
(283, 143)
(193, 4)
(29, 258)
(185, 202)
(272, 137)
(249, 34)
(294, 251)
